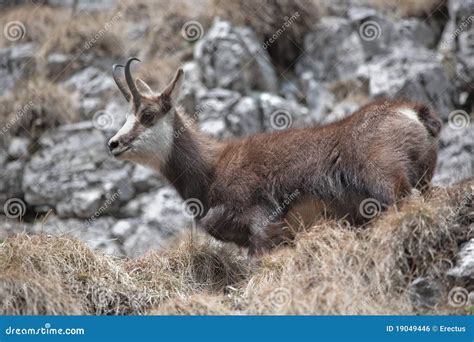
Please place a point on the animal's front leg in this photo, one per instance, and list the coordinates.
(265, 234)
(225, 225)
(268, 237)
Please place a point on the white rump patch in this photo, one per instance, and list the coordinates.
(410, 113)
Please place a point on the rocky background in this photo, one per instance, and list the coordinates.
(250, 67)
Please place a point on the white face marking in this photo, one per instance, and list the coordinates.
(127, 126)
(410, 113)
(152, 146)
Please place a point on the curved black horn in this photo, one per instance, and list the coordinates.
(131, 83)
(119, 82)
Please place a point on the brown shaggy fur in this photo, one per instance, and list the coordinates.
(247, 186)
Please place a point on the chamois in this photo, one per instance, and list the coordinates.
(247, 186)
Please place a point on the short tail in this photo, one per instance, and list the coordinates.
(429, 119)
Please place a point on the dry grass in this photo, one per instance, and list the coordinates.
(329, 269)
(408, 8)
(38, 22)
(158, 72)
(165, 20)
(36, 105)
(100, 34)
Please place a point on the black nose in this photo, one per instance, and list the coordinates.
(113, 144)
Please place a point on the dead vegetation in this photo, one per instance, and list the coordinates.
(37, 21)
(99, 34)
(408, 8)
(330, 268)
(36, 105)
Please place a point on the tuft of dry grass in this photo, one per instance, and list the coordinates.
(38, 22)
(100, 34)
(36, 105)
(330, 268)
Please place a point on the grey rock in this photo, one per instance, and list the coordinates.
(356, 13)
(165, 207)
(291, 90)
(232, 57)
(83, 203)
(214, 106)
(318, 98)
(162, 207)
(12, 226)
(11, 176)
(16, 61)
(85, 5)
(279, 113)
(346, 8)
(145, 179)
(18, 147)
(414, 32)
(193, 88)
(114, 114)
(377, 34)
(90, 81)
(457, 42)
(134, 207)
(161, 216)
(144, 239)
(245, 117)
(414, 75)
(73, 170)
(19, 56)
(7, 82)
(425, 293)
(333, 51)
(88, 106)
(456, 155)
(122, 229)
(464, 268)
(341, 110)
(57, 62)
(96, 234)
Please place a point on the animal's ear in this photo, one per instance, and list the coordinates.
(172, 90)
(142, 87)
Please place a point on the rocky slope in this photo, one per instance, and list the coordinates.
(56, 175)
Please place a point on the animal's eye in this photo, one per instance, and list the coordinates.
(147, 117)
